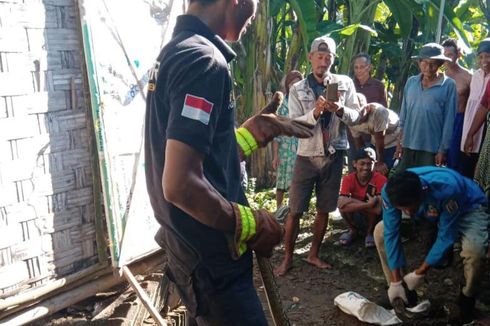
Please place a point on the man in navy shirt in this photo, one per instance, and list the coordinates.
(452, 202)
(192, 161)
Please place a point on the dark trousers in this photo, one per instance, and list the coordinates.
(226, 301)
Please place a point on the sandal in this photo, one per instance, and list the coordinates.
(347, 238)
(369, 241)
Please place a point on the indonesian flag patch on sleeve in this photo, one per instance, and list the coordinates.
(197, 108)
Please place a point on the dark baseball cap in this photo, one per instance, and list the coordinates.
(365, 152)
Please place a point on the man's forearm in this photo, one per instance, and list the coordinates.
(352, 205)
(198, 198)
(478, 120)
(348, 115)
(379, 139)
(185, 186)
(396, 275)
(423, 269)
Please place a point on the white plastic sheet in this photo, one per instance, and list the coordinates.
(356, 305)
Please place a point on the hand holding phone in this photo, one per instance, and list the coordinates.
(331, 92)
(371, 190)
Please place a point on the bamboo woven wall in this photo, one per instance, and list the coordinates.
(47, 227)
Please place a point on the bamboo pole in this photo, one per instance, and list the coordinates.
(70, 297)
(143, 297)
(38, 293)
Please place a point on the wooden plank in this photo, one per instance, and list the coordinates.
(85, 288)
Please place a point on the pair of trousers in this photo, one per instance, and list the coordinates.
(474, 239)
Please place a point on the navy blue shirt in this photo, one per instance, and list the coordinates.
(189, 101)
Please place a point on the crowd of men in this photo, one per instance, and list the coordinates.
(193, 153)
(432, 177)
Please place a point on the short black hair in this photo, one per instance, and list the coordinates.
(404, 189)
(451, 43)
(363, 55)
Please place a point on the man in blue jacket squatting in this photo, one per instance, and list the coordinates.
(457, 205)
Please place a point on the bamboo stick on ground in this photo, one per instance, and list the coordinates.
(68, 298)
(143, 297)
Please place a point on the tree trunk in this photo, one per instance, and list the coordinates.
(407, 50)
(360, 11)
(261, 88)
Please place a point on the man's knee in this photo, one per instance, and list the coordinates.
(379, 234)
(473, 251)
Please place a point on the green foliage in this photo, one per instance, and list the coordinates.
(266, 199)
(391, 31)
(263, 199)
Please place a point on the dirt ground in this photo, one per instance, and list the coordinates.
(308, 293)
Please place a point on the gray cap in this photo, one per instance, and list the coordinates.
(431, 51)
(484, 46)
(323, 44)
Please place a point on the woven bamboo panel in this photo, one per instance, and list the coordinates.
(47, 213)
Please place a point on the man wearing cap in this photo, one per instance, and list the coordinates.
(320, 158)
(462, 77)
(456, 205)
(471, 138)
(427, 112)
(359, 201)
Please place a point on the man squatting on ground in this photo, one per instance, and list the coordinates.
(360, 201)
(444, 197)
(193, 167)
(320, 158)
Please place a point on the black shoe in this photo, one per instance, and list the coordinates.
(467, 308)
